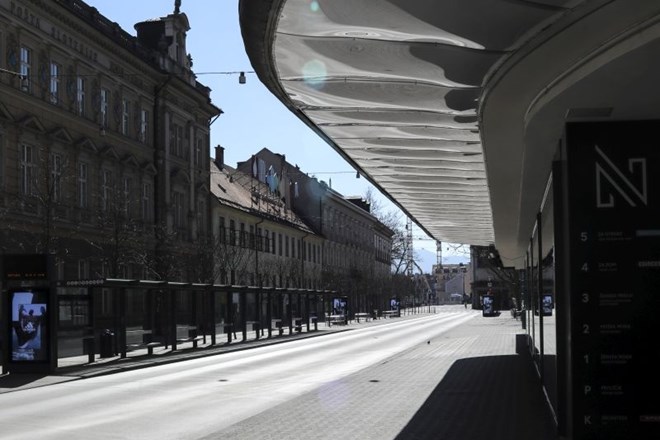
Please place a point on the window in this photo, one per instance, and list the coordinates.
(106, 190)
(199, 147)
(128, 184)
(201, 216)
(241, 238)
(82, 185)
(105, 101)
(176, 140)
(144, 125)
(80, 95)
(28, 170)
(232, 233)
(54, 83)
(222, 232)
(55, 177)
(83, 269)
(126, 114)
(26, 69)
(147, 209)
(178, 207)
(286, 246)
(279, 244)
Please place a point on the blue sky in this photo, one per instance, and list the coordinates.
(253, 118)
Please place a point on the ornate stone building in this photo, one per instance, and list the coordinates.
(104, 141)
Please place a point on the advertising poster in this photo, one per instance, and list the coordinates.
(339, 306)
(488, 305)
(28, 326)
(395, 304)
(546, 305)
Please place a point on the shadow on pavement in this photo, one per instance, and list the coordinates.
(494, 398)
(19, 380)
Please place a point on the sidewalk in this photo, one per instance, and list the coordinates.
(475, 381)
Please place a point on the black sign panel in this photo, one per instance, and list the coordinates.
(25, 267)
(613, 187)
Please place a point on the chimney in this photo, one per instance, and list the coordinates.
(220, 156)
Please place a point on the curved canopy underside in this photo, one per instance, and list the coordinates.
(398, 87)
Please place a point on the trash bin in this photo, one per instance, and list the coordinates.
(523, 319)
(107, 338)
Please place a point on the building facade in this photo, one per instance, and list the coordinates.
(258, 241)
(103, 142)
(356, 250)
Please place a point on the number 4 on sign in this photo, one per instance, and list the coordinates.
(585, 267)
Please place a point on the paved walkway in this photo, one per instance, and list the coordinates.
(474, 382)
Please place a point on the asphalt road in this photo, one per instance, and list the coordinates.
(312, 388)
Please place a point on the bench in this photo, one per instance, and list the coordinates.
(297, 324)
(141, 338)
(194, 339)
(336, 319)
(151, 345)
(366, 316)
(391, 313)
(256, 325)
(148, 345)
(276, 324)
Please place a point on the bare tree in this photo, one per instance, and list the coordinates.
(120, 237)
(231, 256)
(393, 220)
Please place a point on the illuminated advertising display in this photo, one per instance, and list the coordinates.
(340, 306)
(29, 326)
(488, 306)
(547, 305)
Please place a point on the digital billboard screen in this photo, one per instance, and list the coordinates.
(340, 306)
(28, 326)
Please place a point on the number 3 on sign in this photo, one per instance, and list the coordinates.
(585, 297)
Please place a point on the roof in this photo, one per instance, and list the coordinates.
(454, 109)
(241, 191)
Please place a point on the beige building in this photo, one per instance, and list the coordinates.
(259, 241)
(103, 142)
(356, 248)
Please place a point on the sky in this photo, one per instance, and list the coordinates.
(252, 117)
